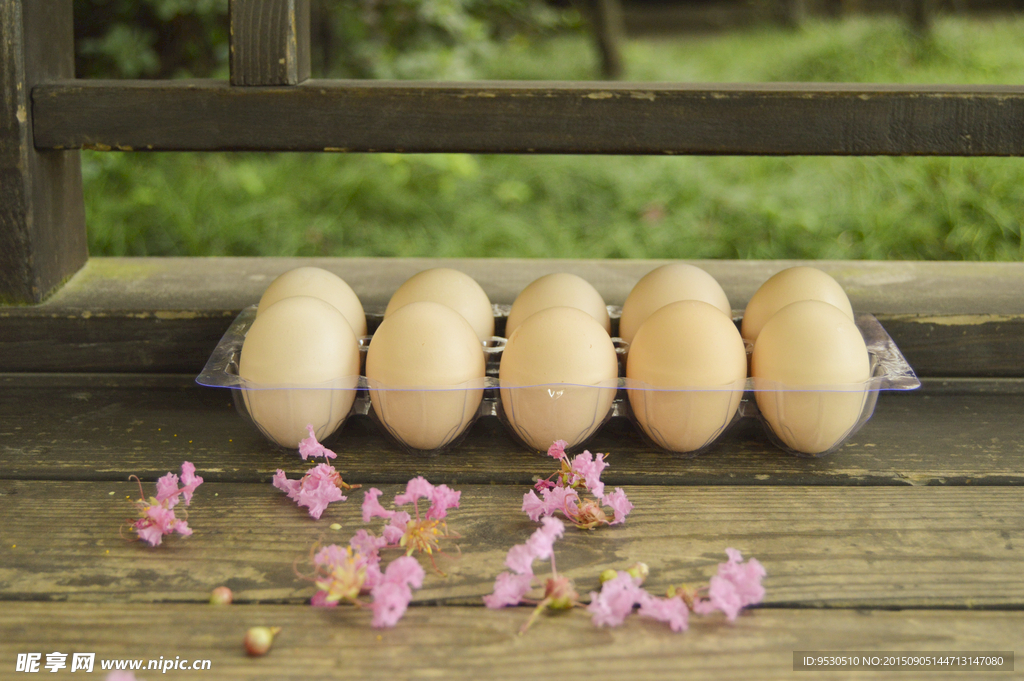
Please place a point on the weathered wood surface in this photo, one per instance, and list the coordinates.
(533, 117)
(147, 314)
(827, 547)
(269, 42)
(472, 644)
(42, 216)
(104, 427)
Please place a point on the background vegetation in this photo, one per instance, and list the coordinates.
(564, 206)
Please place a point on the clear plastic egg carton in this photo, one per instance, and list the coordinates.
(806, 422)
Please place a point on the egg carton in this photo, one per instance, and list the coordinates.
(686, 421)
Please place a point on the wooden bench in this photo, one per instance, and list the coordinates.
(910, 539)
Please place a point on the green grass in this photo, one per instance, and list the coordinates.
(456, 205)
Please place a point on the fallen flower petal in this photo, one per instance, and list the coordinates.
(621, 506)
(509, 589)
(310, 446)
(610, 606)
(372, 508)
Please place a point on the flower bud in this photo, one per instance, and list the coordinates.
(221, 596)
(639, 571)
(259, 639)
(608, 575)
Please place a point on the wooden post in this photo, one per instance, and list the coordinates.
(918, 13)
(42, 214)
(789, 12)
(269, 42)
(608, 31)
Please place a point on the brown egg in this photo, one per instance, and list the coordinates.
(452, 288)
(318, 283)
(789, 286)
(686, 371)
(425, 368)
(667, 284)
(300, 363)
(810, 367)
(557, 290)
(558, 377)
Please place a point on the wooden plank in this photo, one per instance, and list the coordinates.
(269, 41)
(105, 427)
(42, 215)
(147, 314)
(473, 643)
(533, 117)
(821, 546)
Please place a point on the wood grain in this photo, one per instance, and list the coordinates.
(269, 41)
(474, 643)
(533, 117)
(105, 427)
(42, 215)
(822, 546)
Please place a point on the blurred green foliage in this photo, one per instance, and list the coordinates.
(351, 38)
(603, 207)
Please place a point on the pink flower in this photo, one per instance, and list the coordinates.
(315, 490)
(554, 499)
(672, 611)
(442, 498)
(392, 595)
(583, 472)
(416, 489)
(311, 447)
(421, 532)
(589, 468)
(372, 508)
(736, 586)
(615, 601)
(541, 542)
(621, 506)
(156, 516)
(156, 521)
(167, 486)
(557, 449)
(509, 589)
(366, 543)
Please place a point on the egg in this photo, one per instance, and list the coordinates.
(556, 290)
(667, 284)
(558, 376)
(810, 367)
(686, 371)
(296, 342)
(789, 286)
(453, 288)
(425, 369)
(318, 283)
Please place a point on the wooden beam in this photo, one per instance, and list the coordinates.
(42, 215)
(269, 41)
(533, 117)
(104, 427)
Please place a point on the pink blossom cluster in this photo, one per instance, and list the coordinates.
(157, 516)
(320, 486)
(511, 587)
(736, 586)
(582, 472)
(413, 532)
(346, 573)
